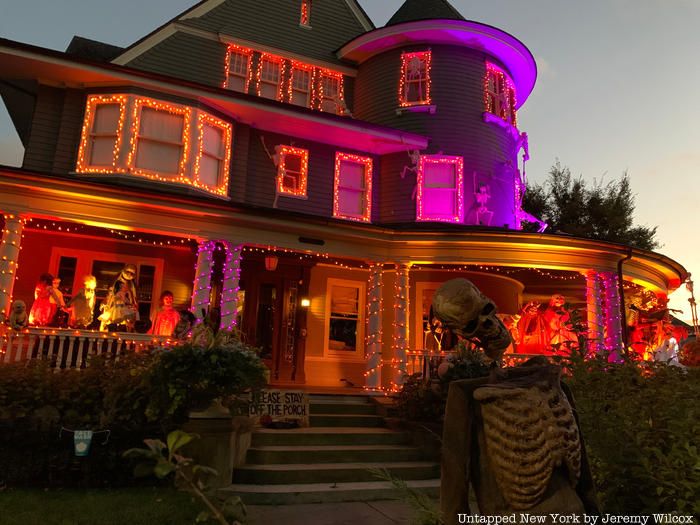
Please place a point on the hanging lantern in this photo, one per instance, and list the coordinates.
(271, 263)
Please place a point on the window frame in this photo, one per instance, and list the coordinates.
(309, 69)
(274, 59)
(301, 192)
(323, 97)
(502, 100)
(204, 119)
(242, 51)
(404, 82)
(359, 353)
(340, 157)
(83, 164)
(421, 216)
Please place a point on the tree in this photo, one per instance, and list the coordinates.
(599, 211)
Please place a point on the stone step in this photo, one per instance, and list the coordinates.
(332, 472)
(331, 407)
(267, 455)
(345, 420)
(325, 492)
(340, 398)
(329, 436)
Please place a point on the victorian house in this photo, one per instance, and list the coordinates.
(313, 176)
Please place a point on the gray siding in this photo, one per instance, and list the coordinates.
(41, 148)
(457, 128)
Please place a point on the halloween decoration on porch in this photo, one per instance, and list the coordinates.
(120, 309)
(560, 335)
(43, 309)
(167, 317)
(513, 435)
(18, 319)
(82, 305)
(184, 325)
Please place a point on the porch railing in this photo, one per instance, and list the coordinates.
(426, 363)
(69, 348)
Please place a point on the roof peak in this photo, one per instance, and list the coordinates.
(413, 10)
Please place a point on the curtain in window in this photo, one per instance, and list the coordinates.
(351, 189)
(104, 134)
(160, 141)
(213, 154)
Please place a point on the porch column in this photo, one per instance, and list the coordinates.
(202, 278)
(231, 285)
(373, 374)
(400, 328)
(611, 313)
(595, 311)
(9, 255)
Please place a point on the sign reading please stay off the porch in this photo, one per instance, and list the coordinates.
(281, 405)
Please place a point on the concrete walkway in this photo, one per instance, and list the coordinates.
(356, 513)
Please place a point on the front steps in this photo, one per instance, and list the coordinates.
(330, 460)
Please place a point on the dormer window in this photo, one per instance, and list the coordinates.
(414, 85)
(352, 195)
(292, 171)
(305, 18)
(440, 189)
(499, 94)
(270, 76)
(300, 84)
(331, 96)
(238, 68)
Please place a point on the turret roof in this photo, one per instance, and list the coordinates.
(413, 10)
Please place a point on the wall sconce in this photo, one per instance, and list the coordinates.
(271, 263)
(305, 302)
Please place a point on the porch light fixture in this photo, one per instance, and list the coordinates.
(305, 302)
(271, 263)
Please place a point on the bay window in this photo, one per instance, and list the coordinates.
(440, 189)
(102, 132)
(352, 195)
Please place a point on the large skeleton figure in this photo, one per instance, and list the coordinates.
(513, 435)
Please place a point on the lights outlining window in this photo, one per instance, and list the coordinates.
(102, 134)
(269, 77)
(352, 189)
(238, 68)
(414, 84)
(499, 94)
(292, 171)
(331, 96)
(440, 189)
(305, 18)
(299, 89)
(162, 141)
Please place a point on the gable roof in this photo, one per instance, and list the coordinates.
(413, 10)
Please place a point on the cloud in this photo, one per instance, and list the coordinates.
(544, 68)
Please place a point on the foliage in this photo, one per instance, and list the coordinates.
(163, 460)
(427, 511)
(599, 211)
(640, 423)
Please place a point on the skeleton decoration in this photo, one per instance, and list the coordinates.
(461, 307)
(482, 197)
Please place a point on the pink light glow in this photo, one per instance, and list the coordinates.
(440, 199)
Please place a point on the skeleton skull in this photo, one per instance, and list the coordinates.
(462, 308)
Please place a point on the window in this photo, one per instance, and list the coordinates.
(440, 189)
(155, 139)
(414, 86)
(499, 94)
(345, 319)
(102, 132)
(160, 133)
(214, 152)
(300, 85)
(305, 18)
(238, 70)
(352, 197)
(292, 171)
(270, 77)
(331, 96)
(429, 333)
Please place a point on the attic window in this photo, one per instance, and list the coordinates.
(238, 70)
(270, 76)
(414, 85)
(331, 92)
(292, 171)
(499, 94)
(305, 19)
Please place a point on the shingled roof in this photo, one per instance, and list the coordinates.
(413, 10)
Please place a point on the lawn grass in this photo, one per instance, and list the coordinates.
(137, 506)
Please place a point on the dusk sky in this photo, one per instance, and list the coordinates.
(617, 88)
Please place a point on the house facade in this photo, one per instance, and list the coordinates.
(312, 176)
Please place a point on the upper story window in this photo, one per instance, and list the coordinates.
(305, 18)
(292, 171)
(414, 84)
(499, 94)
(331, 96)
(155, 139)
(238, 68)
(299, 89)
(270, 71)
(352, 189)
(440, 189)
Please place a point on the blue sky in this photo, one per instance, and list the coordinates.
(617, 88)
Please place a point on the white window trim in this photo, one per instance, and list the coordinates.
(458, 190)
(368, 164)
(359, 353)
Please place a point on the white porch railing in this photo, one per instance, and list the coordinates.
(65, 348)
(426, 363)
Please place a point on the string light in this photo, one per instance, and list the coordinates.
(497, 269)
(499, 94)
(333, 77)
(400, 330)
(272, 59)
(204, 119)
(440, 161)
(305, 19)
(374, 337)
(231, 51)
(201, 293)
(306, 69)
(299, 189)
(231, 285)
(424, 58)
(10, 247)
(85, 149)
(366, 162)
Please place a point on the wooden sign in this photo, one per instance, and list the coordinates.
(279, 406)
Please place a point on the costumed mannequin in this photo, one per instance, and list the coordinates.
(166, 318)
(43, 309)
(513, 435)
(556, 317)
(121, 306)
(18, 319)
(82, 305)
(667, 352)
(531, 329)
(184, 325)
